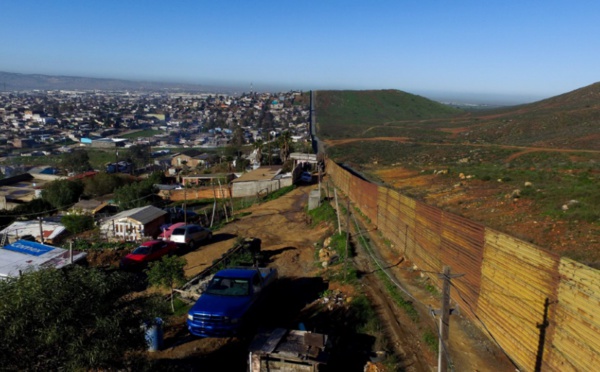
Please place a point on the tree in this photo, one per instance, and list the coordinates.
(285, 144)
(137, 194)
(237, 138)
(140, 155)
(102, 184)
(72, 319)
(76, 161)
(33, 209)
(62, 193)
(167, 272)
(77, 223)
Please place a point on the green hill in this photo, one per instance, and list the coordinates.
(358, 113)
(570, 120)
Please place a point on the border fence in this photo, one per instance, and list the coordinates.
(543, 310)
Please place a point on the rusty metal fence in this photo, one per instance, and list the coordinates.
(543, 310)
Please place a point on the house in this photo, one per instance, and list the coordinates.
(134, 224)
(89, 207)
(263, 180)
(190, 158)
(23, 255)
(23, 143)
(22, 188)
(51, 230)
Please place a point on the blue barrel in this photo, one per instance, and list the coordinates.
(154, 334)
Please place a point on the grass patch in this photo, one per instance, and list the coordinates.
(393, 290)
(367, 320)
(338, 244)
(551, 189)
(431, 340)
(352, 112)
(181, 307)
(398, 297)
(432, 289)
(278, 193)
(323, 213)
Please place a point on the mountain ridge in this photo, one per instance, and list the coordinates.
(12, 81)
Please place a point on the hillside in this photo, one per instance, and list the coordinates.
(570, 120)
(13, 81)
(532, 171)
(351, 113)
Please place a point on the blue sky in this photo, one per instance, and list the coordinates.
(511, 48)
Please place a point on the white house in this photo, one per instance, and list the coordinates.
(134, 224)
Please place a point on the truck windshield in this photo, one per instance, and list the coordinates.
(228, 287)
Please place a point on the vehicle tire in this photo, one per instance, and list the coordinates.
(192, 244)
(209, 237)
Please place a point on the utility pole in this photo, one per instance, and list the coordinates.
(445, 313)
(212, 181)
(319, 186)
(347, 241)
(41, 230)
(184, 204)
(337, 208)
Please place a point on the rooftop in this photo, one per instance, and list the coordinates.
(263, 173)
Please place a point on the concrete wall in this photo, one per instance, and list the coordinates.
(253, 188)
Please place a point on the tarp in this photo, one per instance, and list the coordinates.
(23, 255)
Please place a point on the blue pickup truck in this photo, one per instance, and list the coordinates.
(229, 297)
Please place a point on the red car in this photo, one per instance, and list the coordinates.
(166, 234)
(149, 251)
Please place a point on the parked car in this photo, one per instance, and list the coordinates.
(306, 177)
(228, 300)
(190, 235)
(147, 252)
(178, 214)
(167, 230)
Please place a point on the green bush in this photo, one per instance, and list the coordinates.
(76, 224)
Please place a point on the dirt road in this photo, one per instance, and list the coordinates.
(289, 243)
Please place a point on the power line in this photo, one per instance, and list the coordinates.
(444, 348)
(390, 277)
(482, 323)
(38, 213)
(65, 207)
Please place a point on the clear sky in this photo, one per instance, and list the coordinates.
(521, 48)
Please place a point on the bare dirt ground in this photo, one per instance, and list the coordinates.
(289, 242)
(491, 203)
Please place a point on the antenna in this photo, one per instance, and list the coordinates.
(251, 88)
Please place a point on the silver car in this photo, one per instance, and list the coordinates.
(190, 235)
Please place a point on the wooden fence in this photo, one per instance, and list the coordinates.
(543, 310)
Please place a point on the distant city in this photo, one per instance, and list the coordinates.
(39, 123)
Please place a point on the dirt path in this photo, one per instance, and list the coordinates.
(289, 242)
(523, 149)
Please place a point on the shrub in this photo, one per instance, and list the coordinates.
(77, 223)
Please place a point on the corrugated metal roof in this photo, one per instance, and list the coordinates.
(261, 174)
(142, 214)
(50, 229)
